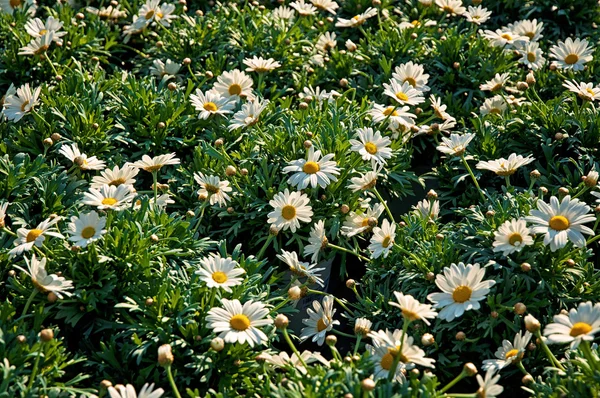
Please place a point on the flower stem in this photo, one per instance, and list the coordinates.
(172, 382)
(29, 301)
(587, 353)
(549, 353)
(383, 202)
(155, 180)
(462, 157)
(264, 247)
(522, 368)
(343, 249)
(287, 338)
(584, 190)
(357, 345)
(453, 382)
(36, 364)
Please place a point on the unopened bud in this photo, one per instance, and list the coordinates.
(525, 267)
(527, 380)
(55, 137)
(217, 344)
(273, 231)
(350, 283)
(430, 276)
(208, 74)
(165, 355)
(535, 174)
(367, 385)
(154, 238)
(344, 209)
(460, 336)
(307, 144)
(281, 321)
(456, 65)
(532, 324)
(470, 369)
(47, 142)
(104, 384)
(187, 61)
(149, 302)
(563, 191)
(530, 79)
(303, 105)
(172, 86)
(21, 339)
(522, 86)
(46, 335)
(244, 172)
(219, 142)
(230, 171)
(331, 340)
(427, 339)
(494, 314)
(520, 308)
(295, 293)
(161, 125)
(343, 82)
(432, 195)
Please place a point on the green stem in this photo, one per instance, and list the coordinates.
(584, 190)
(387, 209)
(462, 157)
(587, 353)
(507, 179)
(549, 353)
(8, 231)
(264, 247)
(172, 382)
(453, 382)
(287, 338)
(343, 249)
(357, 345)
(522, 368)
(51, 65)
(342, 333)
(155, 180)
(592, 240)
(284, 302)
(28, 303)
(36, 364)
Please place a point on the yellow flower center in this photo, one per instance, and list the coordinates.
(239, 322)
(356, 17)
(210, 106)
(410, 315)
(590, 91)
(88, 232)
(43, 32)
(390, 111)
(580, 328)
(506, 36)
(42, 49)
(386, 361)
(288, 212)
(511, 353)
(15, 3)
(24, 105)
(211, 188)
(117, 182)
(410, 81)
(515, 239)
(109, 201)
(371, 148)
(321, 325)
(530, 35)
(387, 241)
(365, 222)
(33, 235)
(219, 277)
(235, 89)
(149, 14)
(496, 87)
(531, 57)
(153, 168)
(415, 23)
(448, 9)
(571, 59)
(311, 167)
(495, 111)
(159, 15)
(401, 96)
(462, 293)
(559, 223)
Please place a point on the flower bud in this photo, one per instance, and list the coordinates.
(219, 142)
(172, 86)
(427, 339)
(456, 65)
(303, 105)
(295, 293)
(52, 297)
(430, 276)
(344, 209)
(161, 125)
(46, 335)
(217, 344)
(520, 308)
(490, 213)
(460, 336)
(55, 137)
(350, 283)
(591, 179)
(208, 74)
(362, 326)
(525, 267)
(21, 339)
(154, 238)
(532, 324)
(372, 222)
(494, 314)
(149, 302)
(165, 355)
(273, 231)
(307, 144)
(563, 191)
(281, 321)
(470, 369)
(432, 195)
(367, 384)
(527, 380)
(187, 61)
(343, 82)
(530, 79)
(331, 340)
(104, 384)
(522, 86)
(47, 142)
(230, 171)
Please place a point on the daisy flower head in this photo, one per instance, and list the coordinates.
(147, 391)
(156, 163)
(356, 223)
(477, 15)
(462, 289)
(27, 238)
(561, 221)
(36, 28)
(496, 84)
(249, 114)
(438, 108)
(512, 236)
(396, 115)
(261, 65)
(80, 159)
(237, 323)
(326, 5)
(579, 325)
(456, 144)
(3, 208)
(9, 6)
(399, 346)
(572, 54)
(320, 321)
(356, 20)
(413, 74)
(382, 240)
(427, 209)
(153, 11)
(22, 102)
(585, 91)
(383, 360)
(115, 176)
(531, 54)
(110, 197)
(364, 182)
(283, 359)
(412, 309)
(403, 93)
(326, 41)
(38, 45)
(371, 145)
(489, 387)
(509, 353)
(219, 272)
(503, 38)
(303, 9)
(314, 171)
(164, 70)
(44, 283)
(160, 202)
(317, 241)
(86, 228)
(362, 326)
(211, 103)
(436, 128)
(234, 85)
(505, 167)
(110, 12)
(493, 106)
(289, 208)
(300, 268)
(212, 188)
(453, 7)
(529, 28)
(282, 13)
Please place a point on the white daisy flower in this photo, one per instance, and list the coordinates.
(248, 115)
(151, 12)
(164, 70)
(456, 144)
(317, 241)
(403, 93)
(42, 281)
(80, 159)
(27, 238)
(3, 208)
(240, 324)
(326, 5)
(382, 240)
(505, 167)
(282, 360)
(383, 360)
(110, 197)
(217, 271)
(362, 326)
(437, 128)
(561, 221)
(213, 189)
(531, 54)
(282, 13)
(529, 28)
(580, 325)
(493, 106)
(371, 145)
(488, 387)
(300, 268)
(364, 182)
(86, 228)
(356, 223)
(396, 115)
(496, 84)
(161, 202)
(398, 345)
(9, 6)
(115, 176)
(289, 209)
(413, 74)
(462, 289)
(147, 391)
(316, 94)
(503, 37)
(36, 28)
(439, 109)
(155, 163)
(260, 65)
(303, 9)
(412, 309)
(210, 103)
(320, 321)
(512, 236)
(477, 15)
(509, 353)
(454, 7)
(326, 41)
(356, 20)
(110, 12)
(572, 54)
(17, 106)
(234, 85)
(38, 45)
(313, 171)
(427, 210)
(585, 91)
